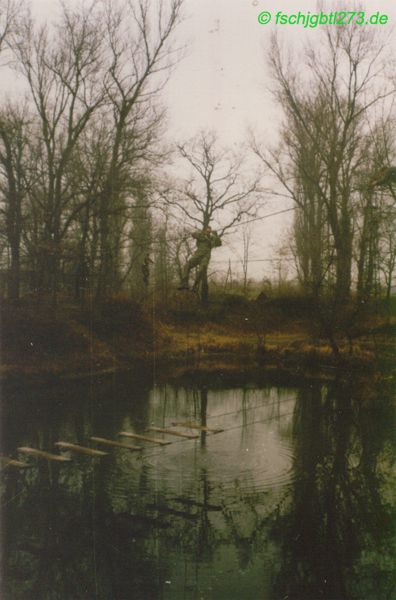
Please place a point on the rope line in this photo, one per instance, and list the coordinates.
(158, 452)
(267, 216)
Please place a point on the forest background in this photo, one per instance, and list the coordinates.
(100, 191)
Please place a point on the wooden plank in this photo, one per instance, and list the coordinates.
(107, 442)
(13, 462)
(200, 427)
(42, 454)
(190, 436)
(137, 436)
(81, 449)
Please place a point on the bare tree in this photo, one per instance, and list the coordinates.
(9, 10)
(86, 176)
(387, 263)
(324, 140)
(64, 74)
(324, 161)
(141, 238)
(14, 135)
(139, 36)
(375, 210)
(215, 195)
(247, 232)
(163, 264)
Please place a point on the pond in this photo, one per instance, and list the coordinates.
(294, 499)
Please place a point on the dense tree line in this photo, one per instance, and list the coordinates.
(337, 134)
(78, 156)
(334, 161)
(88, 202)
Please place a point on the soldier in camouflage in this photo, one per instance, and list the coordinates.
(206, 240)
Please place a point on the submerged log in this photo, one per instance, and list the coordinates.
(42, 454)
(13, 462)
(107, 442)
(137, 436)
(190, 436)
(81, 449)
(196, 426)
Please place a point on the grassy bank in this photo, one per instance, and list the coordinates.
(70, 341)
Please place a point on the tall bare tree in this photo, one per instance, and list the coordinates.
(63, 69)
(9, 11)
(247, 231)
(322, 161)
(216, 194)
(139, 36)
(14, 185)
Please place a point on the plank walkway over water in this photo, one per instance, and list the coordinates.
(196, 426)
(81, 449)
(190, 436)
(107, 442)
(145, 438)
(13, 462)
(42, 454)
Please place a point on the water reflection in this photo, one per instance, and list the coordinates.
(292, 501)
(337, 532)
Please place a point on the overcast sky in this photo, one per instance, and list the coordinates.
(222, 83)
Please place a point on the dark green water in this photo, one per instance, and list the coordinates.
(295, 500)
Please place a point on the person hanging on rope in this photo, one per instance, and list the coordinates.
(205, 240)
(385, 177)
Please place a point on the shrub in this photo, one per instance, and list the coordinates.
(39, 330)
(121, 316)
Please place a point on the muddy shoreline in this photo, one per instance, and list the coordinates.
(41, 348)
(279, 363)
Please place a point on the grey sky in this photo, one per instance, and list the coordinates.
(222, 83)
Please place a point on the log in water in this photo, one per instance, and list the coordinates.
(190, 436)
(81, 449)
(43, 454)
(200, 427)
(13, 462)
(145, 438)
(107, 442)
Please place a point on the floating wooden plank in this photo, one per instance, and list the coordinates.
(81, 449)
(13, 462)
(42, 454)
(137, 436)
(100, 440)
(200, 427)
(190, 436)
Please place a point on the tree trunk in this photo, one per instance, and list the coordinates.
(205, 289)
(14, 274)
(343, 244)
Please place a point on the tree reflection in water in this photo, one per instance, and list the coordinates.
(124, 528)
(337, 532)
